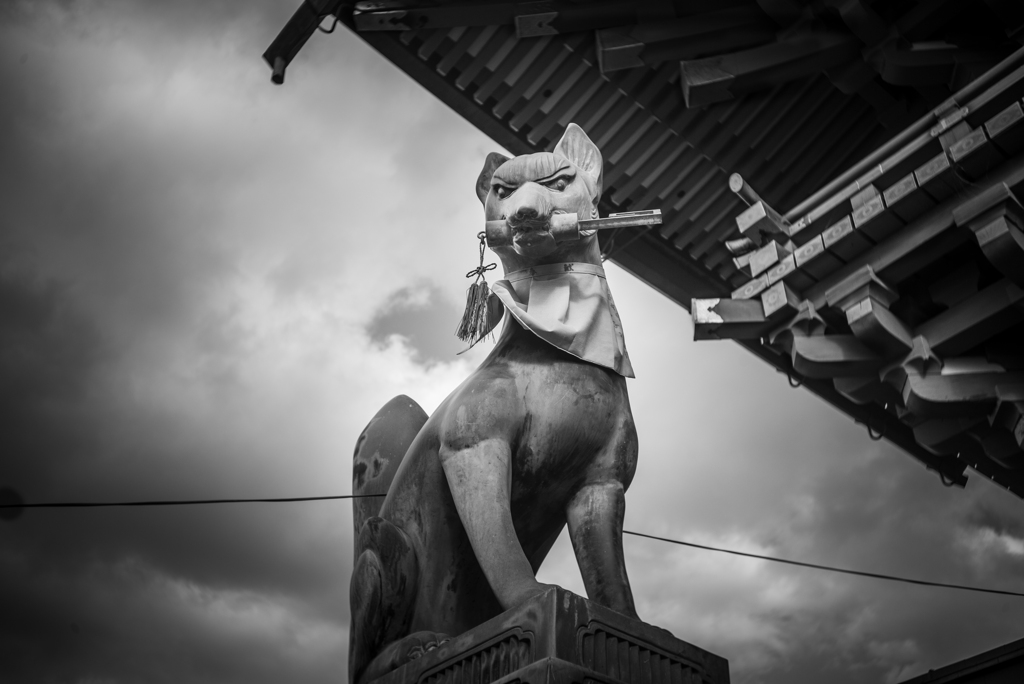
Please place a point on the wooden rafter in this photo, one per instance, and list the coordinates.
(725, 77)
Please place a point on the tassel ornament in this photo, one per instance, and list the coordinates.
(476, 319)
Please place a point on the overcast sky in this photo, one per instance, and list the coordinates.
(209, 284)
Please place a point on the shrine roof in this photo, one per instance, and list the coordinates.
(805, 102)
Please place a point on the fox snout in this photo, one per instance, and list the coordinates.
(527, 219)
(531, 211)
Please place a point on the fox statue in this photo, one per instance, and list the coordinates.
(539, 436)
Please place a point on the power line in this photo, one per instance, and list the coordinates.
(815, 566)
(829, 568)
(190, 502)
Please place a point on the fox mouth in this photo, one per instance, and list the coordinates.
(528, 232)
(524, 226)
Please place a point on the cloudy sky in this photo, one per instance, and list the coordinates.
(209, 284)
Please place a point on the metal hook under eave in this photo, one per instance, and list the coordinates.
(792, 383)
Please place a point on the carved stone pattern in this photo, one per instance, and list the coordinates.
(620, 658)
(487, 664)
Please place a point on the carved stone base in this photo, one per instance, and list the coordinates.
(562, 638)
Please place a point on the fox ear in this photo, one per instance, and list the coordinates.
(578, 148)
(483, 181)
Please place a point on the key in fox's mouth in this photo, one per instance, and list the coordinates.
(521, 225)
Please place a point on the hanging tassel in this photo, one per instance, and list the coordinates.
(476, 321)
(474, 318)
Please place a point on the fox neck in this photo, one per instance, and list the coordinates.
(586, 250)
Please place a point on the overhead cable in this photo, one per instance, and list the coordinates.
(704, 547)
(846, 571)
(186, 502)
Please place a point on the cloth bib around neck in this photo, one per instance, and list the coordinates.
(569, 306)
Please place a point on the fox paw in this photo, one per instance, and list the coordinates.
(405, 650)
(425, 643)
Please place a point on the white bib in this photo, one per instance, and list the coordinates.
(569, 306)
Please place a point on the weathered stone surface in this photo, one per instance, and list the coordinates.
(538, 438)
(561, 637)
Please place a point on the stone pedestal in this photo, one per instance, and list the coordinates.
(562, 638)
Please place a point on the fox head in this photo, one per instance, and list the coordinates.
(526, 191)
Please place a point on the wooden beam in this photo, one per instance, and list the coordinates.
(531, 19)
(948, 396)
(735, 28)
(779, 302)
(906, 199)
(974, 155)
(947, 435)
(925, 228)
(995, 98)
(831, 356)
(751, 288)
(764, 258)
(295, 33)
(812, 258)
(955, 286)
(870, 216)
(760, 220)
(444, 16)
(935, 177)
(724, 77)
(865, 389)
(787, 271)
(727, 319)
(1006, 129)
(924, 63)
(842, 241)
(975, 319)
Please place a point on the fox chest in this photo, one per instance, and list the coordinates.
(574, 420)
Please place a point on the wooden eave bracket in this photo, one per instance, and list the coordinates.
(936, 395)
(831, 356)
(865, 299)
(996, 217)
(860, 284)
(877, 327)
(920, 360)
(804, 323)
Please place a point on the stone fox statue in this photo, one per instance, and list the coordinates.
(539, 436)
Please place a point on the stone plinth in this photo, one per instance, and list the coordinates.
(562, 638)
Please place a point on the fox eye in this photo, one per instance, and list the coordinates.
(503, 191)
(559, 184)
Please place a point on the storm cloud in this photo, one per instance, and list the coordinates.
(209, 284)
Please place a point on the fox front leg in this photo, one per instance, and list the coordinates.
(479, 476)
(595, 516)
